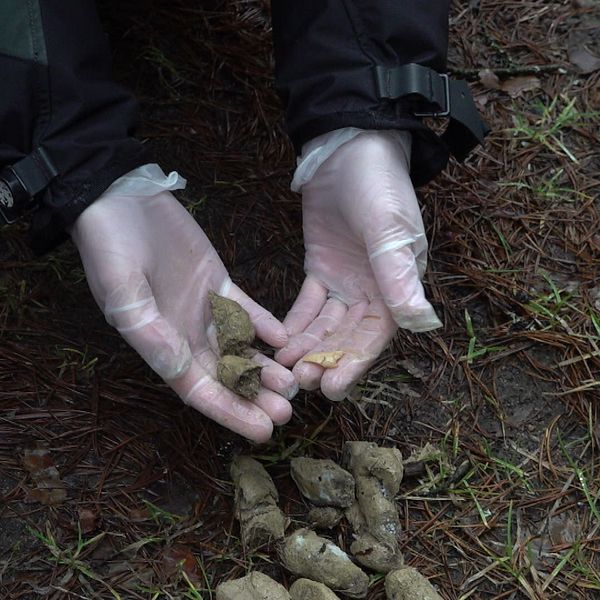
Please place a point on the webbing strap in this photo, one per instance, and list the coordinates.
(433, 94)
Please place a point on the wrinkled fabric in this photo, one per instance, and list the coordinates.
(325, 56)
(58, 92)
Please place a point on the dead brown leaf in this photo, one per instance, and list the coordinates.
(481, 100)
(584, 60)
(138, 515)
(87, 520)
(583, 46)
(49, 490)
(489, 79)
(514, 86)
(36, 460)
(48, 493)
(180, 558)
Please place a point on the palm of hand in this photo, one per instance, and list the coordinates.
(150, 268)
(365, 254)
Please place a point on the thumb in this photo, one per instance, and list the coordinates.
(396, 271)
(131, 308)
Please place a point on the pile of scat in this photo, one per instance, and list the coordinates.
(363, 493)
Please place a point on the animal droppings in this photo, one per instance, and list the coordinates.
(305, 589)
(409, 584)
(323, 482)
(235, 331)
(306, 554)
(255, 586)
(261, 520)
(240, 375)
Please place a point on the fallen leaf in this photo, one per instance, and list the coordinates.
(49, 490)
(328, 360)
(583, 47)
(48, 493)
(564, 530)
(481, 100)
(489, 79)
(36, 460)
(139, 514)
(87, 520)
(515, 86)
(179, 558)
(584, 60)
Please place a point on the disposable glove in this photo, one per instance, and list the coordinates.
(366, 253)
(150, 268)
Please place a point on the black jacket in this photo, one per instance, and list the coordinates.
(66, 128)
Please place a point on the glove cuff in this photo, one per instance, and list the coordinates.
(319, 149)
(145, 181)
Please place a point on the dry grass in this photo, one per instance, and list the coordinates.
(507, 392)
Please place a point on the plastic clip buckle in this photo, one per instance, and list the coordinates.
(13, 196)
(21, 182)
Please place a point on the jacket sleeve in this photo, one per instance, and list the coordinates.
(335, 58)
(65, 126)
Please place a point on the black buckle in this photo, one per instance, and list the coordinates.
(22, 182)
(430, 89)
(445, 112)
(14, 197)
(432, 94)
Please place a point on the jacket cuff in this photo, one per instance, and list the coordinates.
(66, 199)
(66, 127)
(372, 65)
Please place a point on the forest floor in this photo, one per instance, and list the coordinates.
(507, 392)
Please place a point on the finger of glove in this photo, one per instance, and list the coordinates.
(132, 310)
(267, 327)
(273, 376)
(325, 325)
(397, 276)
(276, 406)
(309, 374)
(276, 377)
(311, 299)
(199, 388)
(362, 345)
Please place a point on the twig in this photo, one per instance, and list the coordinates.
(473, 74)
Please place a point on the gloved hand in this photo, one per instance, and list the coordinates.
(366, 252)
(150, 267)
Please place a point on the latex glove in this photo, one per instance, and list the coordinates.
(150, 267)
(366, 252)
